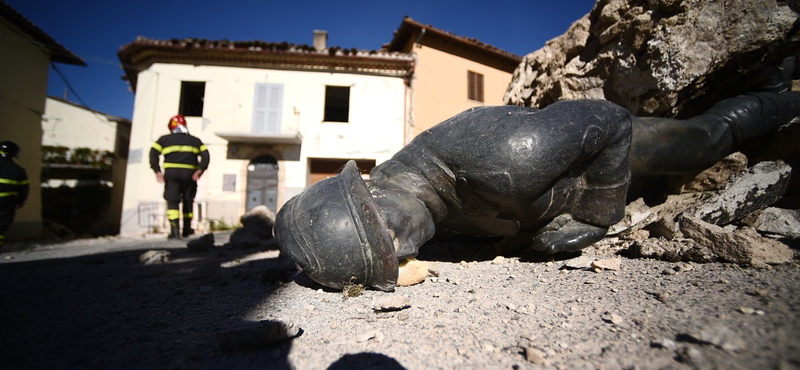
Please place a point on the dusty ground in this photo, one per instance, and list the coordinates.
(91, 304)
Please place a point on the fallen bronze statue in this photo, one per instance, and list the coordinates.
(554, 179)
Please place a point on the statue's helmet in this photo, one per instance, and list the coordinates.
(335, 231)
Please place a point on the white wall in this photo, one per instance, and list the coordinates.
(375, 130)
(67, 125)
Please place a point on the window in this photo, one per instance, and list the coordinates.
(474, 86)
(337, 103)
(267, 108)
(228, 182)
(192, 97)
(322, 168)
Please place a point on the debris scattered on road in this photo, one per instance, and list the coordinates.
(154, 257)
(607, 264)
(203, 243)
(392, 302)
(257, 334)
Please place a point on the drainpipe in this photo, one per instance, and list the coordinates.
(420, 36)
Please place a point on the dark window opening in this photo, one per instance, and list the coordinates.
(474, 86)
(192, 98)
(263, 163)
(322, 168)
(337, 103)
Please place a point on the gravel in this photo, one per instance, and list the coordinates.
(92, 304)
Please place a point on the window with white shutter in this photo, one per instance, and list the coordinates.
(267, 108)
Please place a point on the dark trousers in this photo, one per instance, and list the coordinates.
(179, 188)
(8, 207)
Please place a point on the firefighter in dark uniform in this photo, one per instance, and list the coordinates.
(13, 186)
(181, 172)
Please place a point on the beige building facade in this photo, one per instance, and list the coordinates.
(27, 53)
(85, 160)
(275, 118)
(452, 73)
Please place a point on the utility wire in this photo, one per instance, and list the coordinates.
(59, 52)
(76, 94)
(68, 84)
(52, 50)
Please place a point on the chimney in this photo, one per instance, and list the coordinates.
(320, 40)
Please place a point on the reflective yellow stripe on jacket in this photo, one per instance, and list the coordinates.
(9, 194)
(13, 182)
(180, 165)
(180, 149)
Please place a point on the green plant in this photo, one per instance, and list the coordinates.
(352, 289)
(221, 225)
(84, 156)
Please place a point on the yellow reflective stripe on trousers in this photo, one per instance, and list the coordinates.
(173, 214)
(13, 182)
(9, 194)
(181, 149)
(188, 215)
(181, 165)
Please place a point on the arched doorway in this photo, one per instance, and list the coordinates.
(262, 183)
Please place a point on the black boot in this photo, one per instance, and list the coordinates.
(187, 231)
(175, 232)
(755, 114)
(187, 227)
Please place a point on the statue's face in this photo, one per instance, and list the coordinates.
(409, 221)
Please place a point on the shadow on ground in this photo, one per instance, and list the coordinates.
(109, 311)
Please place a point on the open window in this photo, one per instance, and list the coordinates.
(192, 98)
(322, 168)
(337, 104)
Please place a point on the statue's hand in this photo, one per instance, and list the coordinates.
(564, 234)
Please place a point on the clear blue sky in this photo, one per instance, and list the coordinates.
(96, 29)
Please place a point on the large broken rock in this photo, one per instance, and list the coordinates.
(677, 250)
(720, 175)
(637, 216)
(256, 230)
(660, 57)
(777, 221)
(744, 246)
(665, 224)
(203, 243)
(759, 187)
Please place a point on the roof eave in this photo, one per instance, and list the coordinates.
(136, 57)
(409, 27)
(58, 53)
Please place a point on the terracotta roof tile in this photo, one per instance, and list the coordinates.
(143, 52)
(409, 27)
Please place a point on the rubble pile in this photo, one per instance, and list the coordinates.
(733, 224)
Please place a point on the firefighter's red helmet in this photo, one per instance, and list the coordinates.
(177, 124)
